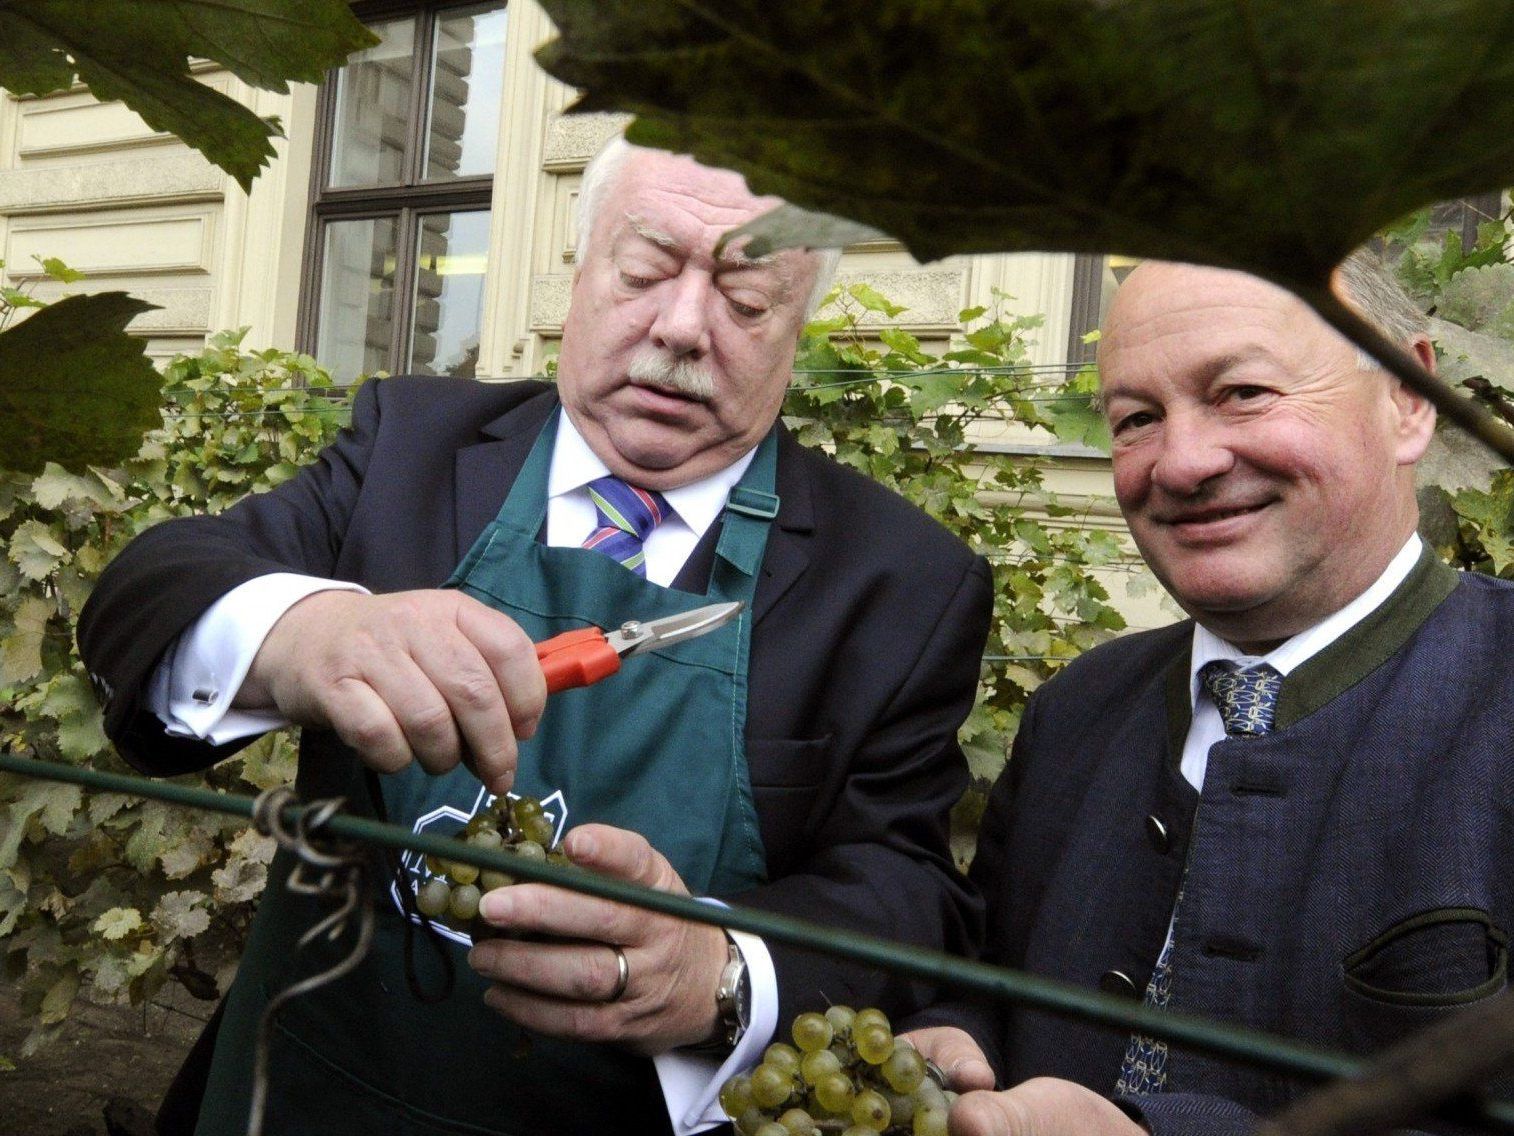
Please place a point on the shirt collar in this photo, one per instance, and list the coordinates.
(1293, 652)
(697, 504)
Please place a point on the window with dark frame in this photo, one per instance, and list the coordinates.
(400, 193)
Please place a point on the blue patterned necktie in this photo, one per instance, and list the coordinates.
(1247, 699)
(626, 514)
(1247, 702)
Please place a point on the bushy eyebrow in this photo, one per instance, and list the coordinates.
(732, 258)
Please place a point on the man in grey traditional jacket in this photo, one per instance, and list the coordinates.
(1291, 812)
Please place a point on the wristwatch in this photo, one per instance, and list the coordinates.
(733, 997)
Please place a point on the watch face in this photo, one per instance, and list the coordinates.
(744, 997)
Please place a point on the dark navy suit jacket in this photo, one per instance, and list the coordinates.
(1348, 877)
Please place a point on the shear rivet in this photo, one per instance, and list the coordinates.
(630, 627)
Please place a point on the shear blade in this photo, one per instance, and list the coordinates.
(655, 633)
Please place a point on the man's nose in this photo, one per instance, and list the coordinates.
(682, 326)
(1194, 451)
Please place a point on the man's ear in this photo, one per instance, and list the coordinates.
(1416, 414)
(1424, 351)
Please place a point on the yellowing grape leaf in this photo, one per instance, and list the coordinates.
(192, 849)
(118, 922)
(1268, 135)
(182, 914)
(139, 51)
(21, 650)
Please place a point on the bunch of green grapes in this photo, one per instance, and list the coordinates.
(845, 1073)
(510, 824)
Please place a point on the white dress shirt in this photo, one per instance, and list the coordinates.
(1207, 727)
(192, 689)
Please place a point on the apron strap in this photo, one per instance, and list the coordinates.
(749, 510)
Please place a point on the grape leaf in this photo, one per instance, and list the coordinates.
(118, 922)
(74, 387)
(59, 804)
(181, 914)
(146, 844)
(50, 803)
(187, 854)
(55, 485)
(12, 905)
(239, 881)
(21, 651)
(71, 703)
(1272, 136)
(103, 806)
(138, 51)
(57, 270)
(58, 999)
(111, 975)
(35, 550)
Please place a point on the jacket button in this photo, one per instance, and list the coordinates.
(1118, 982)
(1157, 833)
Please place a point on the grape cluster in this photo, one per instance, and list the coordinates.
(451, 892)
(845, 1073)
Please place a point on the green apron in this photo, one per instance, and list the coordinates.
(658, 748)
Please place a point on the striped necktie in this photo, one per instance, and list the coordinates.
(626, 515)
(1247, 701)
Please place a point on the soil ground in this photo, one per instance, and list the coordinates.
(119, 1056)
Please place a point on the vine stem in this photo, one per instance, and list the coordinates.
(1470, 415)
(1235, 1043)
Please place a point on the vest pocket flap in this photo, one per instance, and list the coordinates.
(1445, 957)
(798, 763)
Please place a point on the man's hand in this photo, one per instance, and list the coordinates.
(956, 1054)
(430, 676)
(560, 988)
(1040, 1107)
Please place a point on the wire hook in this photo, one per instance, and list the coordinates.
(330, 870)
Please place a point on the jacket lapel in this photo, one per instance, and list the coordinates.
(486, 471)
(787, 554)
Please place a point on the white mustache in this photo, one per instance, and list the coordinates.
(650, 365)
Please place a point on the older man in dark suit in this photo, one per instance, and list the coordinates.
(803, 759)
(1292, 811)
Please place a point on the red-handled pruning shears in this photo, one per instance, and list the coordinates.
(584, 656)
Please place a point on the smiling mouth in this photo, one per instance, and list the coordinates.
(1212, 516)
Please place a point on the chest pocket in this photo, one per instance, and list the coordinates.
(786, 776)
(1419, 970)
(1447, 957)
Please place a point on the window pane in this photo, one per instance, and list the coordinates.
(449, 293)
(357, 296)
(467, 73)
(373, 109)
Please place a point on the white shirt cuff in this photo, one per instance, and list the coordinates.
(691, 1082)
(192, 688)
